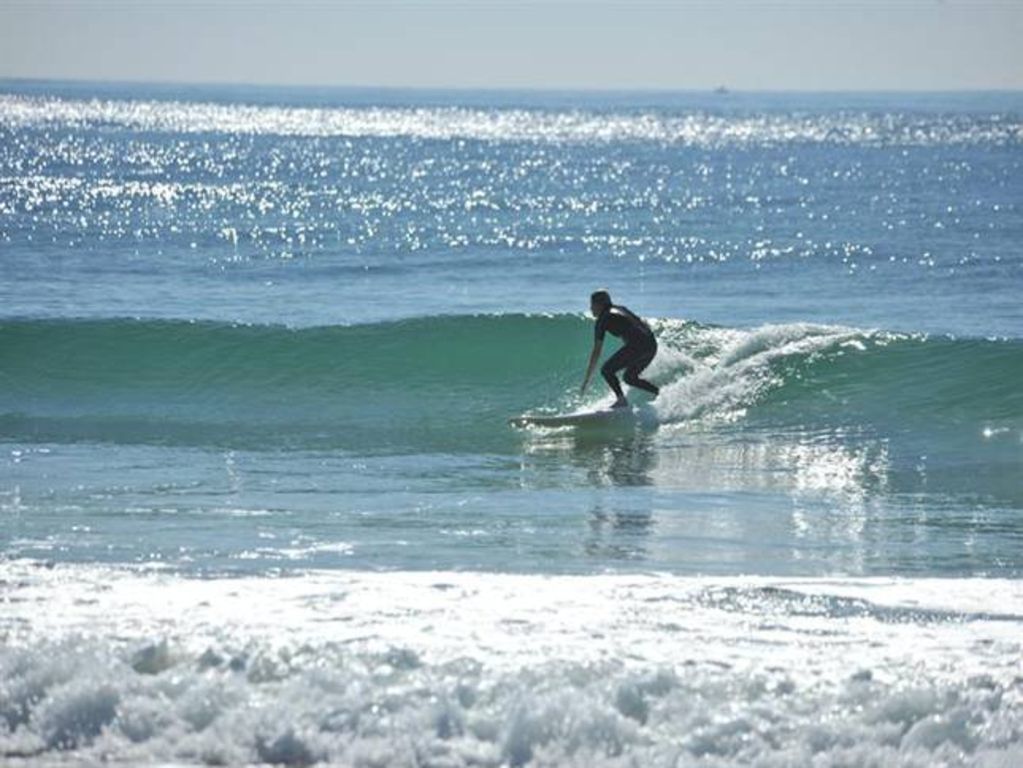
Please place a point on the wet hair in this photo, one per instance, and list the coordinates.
(603, 298)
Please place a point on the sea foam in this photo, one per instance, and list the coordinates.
(456, 669)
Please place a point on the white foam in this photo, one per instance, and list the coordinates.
(453, 669)
(733, 367)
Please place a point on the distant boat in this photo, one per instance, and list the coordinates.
(721, 90)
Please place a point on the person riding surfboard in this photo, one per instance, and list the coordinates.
(636, 354)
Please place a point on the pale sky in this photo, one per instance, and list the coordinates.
(742, 44)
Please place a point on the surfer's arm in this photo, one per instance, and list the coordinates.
(594, 357)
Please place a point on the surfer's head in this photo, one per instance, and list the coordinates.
(599, 301)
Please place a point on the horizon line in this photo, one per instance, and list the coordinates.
(721, 89)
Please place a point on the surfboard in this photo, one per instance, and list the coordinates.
(576, 419)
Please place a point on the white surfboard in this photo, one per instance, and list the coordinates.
(575, 419)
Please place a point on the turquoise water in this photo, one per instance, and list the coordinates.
(387, 445)
(259, 349)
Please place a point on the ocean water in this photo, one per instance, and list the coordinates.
(260, 502)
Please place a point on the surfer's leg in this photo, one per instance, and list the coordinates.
(636, 366)
(612, 381)
(614, 363)
(633, 380)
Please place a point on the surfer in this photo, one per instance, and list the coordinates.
(639, 349)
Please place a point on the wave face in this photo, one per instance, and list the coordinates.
(450, 383)
(409, 385)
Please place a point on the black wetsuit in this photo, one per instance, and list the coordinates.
(639, 349)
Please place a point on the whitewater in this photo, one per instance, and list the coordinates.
(515, 670)
(260, 501)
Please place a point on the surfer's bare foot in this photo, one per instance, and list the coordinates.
(621, 402)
